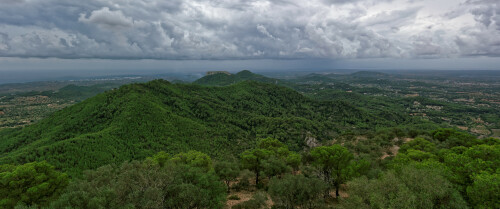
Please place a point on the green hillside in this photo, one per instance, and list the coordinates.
(166, 145)
(323, 88)
(138, 120)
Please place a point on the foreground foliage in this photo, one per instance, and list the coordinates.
(34, 183)
(409, 188)
(427, 173)
(144, 185)
(294, 191)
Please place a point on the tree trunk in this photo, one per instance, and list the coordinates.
(228, 187)
(337, 190)
(257, 178)
(326, 177)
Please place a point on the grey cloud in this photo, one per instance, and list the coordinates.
(3, 42)
(236, 29)
(11, 1)
(484, 39)
(107, 18)
(394, 18)
(264, 31)
(497, 21)
(483, 14)
(339, 1)
(479, 43)
(425, 47)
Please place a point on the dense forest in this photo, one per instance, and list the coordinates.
(137, 120)
(245, 141)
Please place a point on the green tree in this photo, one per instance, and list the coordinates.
(386, 192)
(294, 191)
(194, 159)
(161, 158)
(270, 144)
(254, 160)
(227, 172)
(274, 166)
(451, 138)
(485, 191)
(271, 157)
(294, 160)
(35, 183)
(410, 156)
(470, 162)
(418, 144)
(334, 163)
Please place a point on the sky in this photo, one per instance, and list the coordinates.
(189, 35)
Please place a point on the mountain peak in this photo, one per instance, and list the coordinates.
(245, 72)
(224, 79)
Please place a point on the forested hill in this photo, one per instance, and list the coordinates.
(221, 79)
(138, 120)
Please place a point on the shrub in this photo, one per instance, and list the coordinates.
(258, 201)
(296, 191)
(233, 197)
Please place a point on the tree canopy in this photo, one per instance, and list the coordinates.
(36, 183)
(334, 164)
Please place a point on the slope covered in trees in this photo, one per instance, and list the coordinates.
(145, 146)
(137, 120)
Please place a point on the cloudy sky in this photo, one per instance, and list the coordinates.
(296, 33)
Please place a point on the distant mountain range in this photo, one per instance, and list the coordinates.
(222, 79)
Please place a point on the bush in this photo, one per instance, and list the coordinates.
(244, 182)
(409, 188)
(296, 191)
(144, 185)
(258, 201)
(233, 197)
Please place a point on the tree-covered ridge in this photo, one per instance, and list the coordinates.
(137, 120)
(222, 79)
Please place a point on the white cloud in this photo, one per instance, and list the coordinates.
(264, 31)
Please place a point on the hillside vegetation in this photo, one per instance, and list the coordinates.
(137, 120)
(248, 145)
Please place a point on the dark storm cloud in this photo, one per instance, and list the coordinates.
(255, 29)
